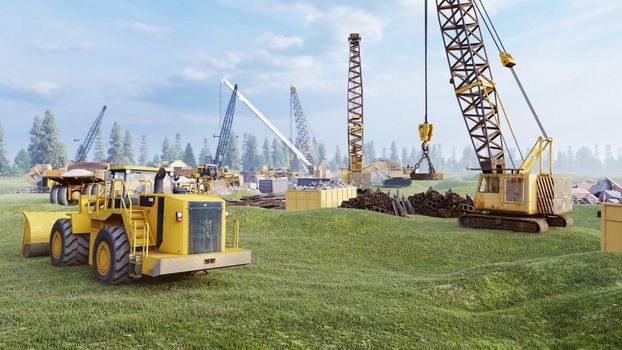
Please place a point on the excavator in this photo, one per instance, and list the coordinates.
(510, 195)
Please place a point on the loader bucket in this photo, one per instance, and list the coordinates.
(37, 229)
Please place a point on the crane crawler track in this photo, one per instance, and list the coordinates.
(502, 222)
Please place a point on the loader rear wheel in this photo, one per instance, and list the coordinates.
(111, 258)
(67, 249)
(54, 194)
(62, 195)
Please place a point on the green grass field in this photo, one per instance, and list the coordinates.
(331, 279)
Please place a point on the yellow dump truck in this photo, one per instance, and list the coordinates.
(125, 232)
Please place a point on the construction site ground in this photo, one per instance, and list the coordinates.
(333, 278)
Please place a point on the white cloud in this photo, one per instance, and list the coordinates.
(297, 62)
(143, 28)
(228, 62)
(194, 74)
(43, 87)
(61, 48)
(342, 20)
(280, 42)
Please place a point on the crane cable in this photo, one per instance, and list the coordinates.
(425, 148)
(495, 37)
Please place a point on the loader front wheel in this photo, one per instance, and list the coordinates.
(54, 194)
(111, 258)
(62, 195)
(67, 249)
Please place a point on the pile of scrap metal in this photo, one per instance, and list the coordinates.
(595, 192)
(380, 202)
(323, 184)
(430, 203)
(450, 205)
(262, 201)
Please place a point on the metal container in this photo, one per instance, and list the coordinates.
(271, 185)
(315, 199)
(611, 227)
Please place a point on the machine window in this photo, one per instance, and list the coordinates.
(514, 191)
(489, 185)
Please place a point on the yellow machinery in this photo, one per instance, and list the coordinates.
(125, 233)
(508, 195)
(391, 172)
(206, 177)
(355, 175)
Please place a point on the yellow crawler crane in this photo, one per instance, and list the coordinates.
(125, 234)
(508, 197)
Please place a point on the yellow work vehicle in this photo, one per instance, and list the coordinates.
(125, 233)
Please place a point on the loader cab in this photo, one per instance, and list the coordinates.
(140, 180)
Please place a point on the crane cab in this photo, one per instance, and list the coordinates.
(524, 194)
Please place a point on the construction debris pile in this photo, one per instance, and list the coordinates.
(450, 205)
(380, 202)
(430, 203)
(595, 192)
(262, 201)
(324, 184)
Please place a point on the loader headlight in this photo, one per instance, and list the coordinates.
(227, 215)
(179, 216)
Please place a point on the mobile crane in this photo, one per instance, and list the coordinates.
(508, 197)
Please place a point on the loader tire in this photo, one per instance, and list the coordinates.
(111, 255)
(62, 195)
(54, 194)
(67, 249)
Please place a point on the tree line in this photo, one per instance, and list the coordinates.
(245, 153)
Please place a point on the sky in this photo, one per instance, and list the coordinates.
(157, 65)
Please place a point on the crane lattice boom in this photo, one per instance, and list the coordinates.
(85, 146)
(305, 138)
(225, 130)
(472, 80)
(355, 106)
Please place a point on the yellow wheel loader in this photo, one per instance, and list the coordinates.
(125, 233)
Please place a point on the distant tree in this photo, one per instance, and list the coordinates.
(177, 152)
(205, 156)
(265, 150)
(116, 154)
(405, 158)
(166, 155)
(5, 167)
(128, 149)
(155, 161)
(369, 151)
(99, 155)
(414, 156)
(22, 162)
(189, 156)
(321, 152)
(336, 162)
(588, 160)
(250, 157)
(51, 150)
(144, 151)
(278, 157)
(232, 154)
(610, 161)
(36, 138)
(394, 155)
(346, 161)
